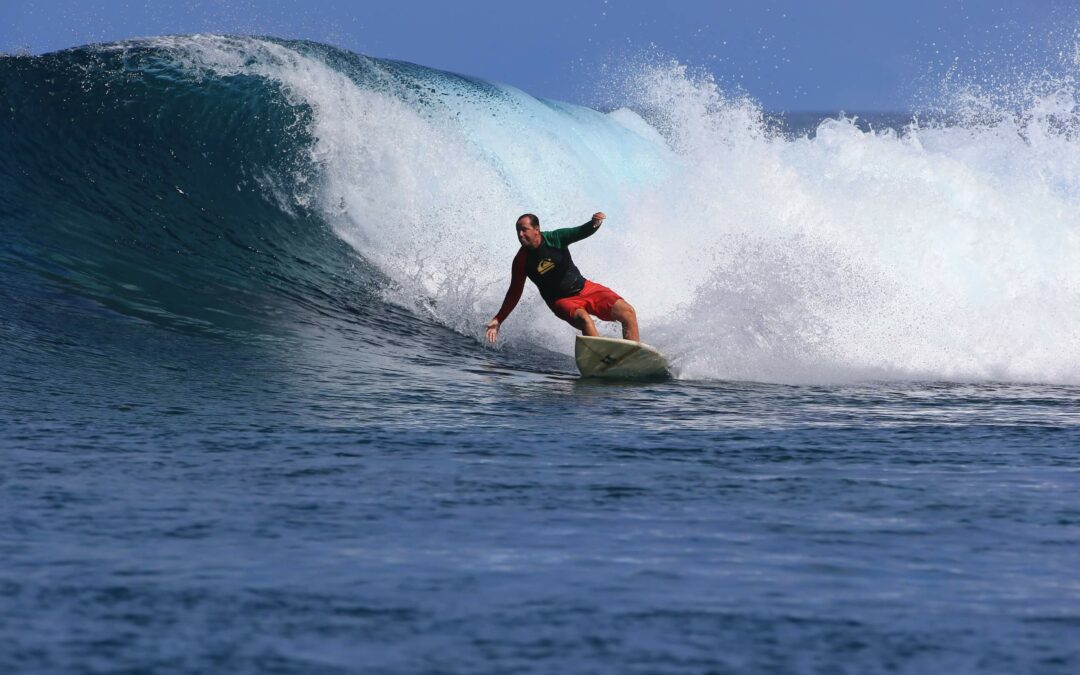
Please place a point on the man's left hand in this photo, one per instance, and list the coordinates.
(598, 218)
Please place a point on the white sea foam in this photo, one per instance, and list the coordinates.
(944, 252)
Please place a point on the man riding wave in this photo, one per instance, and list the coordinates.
(544, 257)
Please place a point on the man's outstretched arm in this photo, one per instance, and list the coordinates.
(568, 235)
(513, 294)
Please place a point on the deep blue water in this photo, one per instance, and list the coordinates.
(226, 449)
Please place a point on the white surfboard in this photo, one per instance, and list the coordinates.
(612, 357)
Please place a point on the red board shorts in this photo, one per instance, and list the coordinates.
(593, 298)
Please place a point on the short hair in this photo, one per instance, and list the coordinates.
(533, 220)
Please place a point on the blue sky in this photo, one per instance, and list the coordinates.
(864, 55)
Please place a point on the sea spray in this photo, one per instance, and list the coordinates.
(944, 251)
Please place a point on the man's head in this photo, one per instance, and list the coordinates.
(528, 231)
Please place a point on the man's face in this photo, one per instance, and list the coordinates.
(527, 234)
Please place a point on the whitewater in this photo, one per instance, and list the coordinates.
(930, 253)
(249, 423)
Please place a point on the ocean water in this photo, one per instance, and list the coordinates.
(248, 422)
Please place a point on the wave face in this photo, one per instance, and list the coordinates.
(245, 186)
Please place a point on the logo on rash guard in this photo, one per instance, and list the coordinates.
(545, 266)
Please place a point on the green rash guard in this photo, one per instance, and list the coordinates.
(549, 266)
(569, 235)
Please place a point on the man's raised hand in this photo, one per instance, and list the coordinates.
(598, 218)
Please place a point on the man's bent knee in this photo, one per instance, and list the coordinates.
(623, 310)
(579, 319)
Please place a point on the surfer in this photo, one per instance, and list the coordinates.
(544, 257)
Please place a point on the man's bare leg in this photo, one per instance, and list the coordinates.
(584, 323)
(623, 312)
